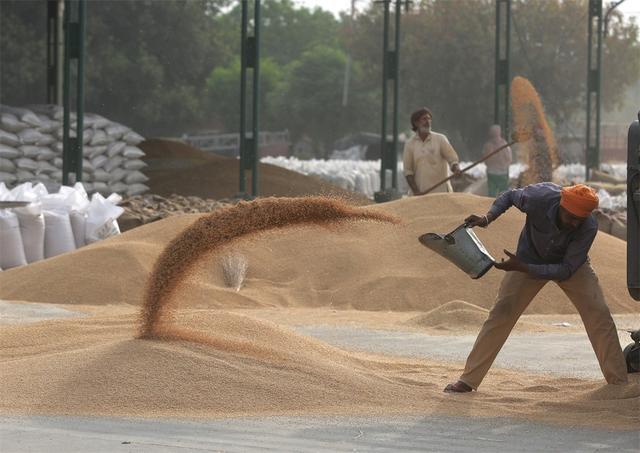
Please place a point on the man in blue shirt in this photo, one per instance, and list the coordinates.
(554, 245)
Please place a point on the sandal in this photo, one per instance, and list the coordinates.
(458, 387)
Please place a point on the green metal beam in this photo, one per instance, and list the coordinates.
(385, 85)
(633, 209)
(502, 65)
(53, 52)
(74, 31)
(250, 59)
(594, 71)
(392, 161)
(390, 72)
(243, 97)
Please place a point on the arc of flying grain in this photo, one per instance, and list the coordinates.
(528, 114)
(222, 227)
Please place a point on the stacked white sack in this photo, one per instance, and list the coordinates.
(53, 223)
(364, 175)
(31, 151)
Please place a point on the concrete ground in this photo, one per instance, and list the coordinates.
(302, 434)
(19, 313)
(567, 354)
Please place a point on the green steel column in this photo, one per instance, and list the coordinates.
(502, 65)
(80, 88)
(596, 154)
(507, 99)
(255, 152)
(385, 74)
(496, 75)
(74, 29)
(592, 158)
(53, 61)
(243, 99)
(393, 160)
(250, 58)
(66, 145)
(633, 209)
(390, 72)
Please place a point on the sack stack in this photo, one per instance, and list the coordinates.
(31, 151)
(53, 223)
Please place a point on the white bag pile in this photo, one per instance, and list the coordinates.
(363, 176)
(53, 223)
(31, 151)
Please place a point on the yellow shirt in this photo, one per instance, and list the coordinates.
(429, 161)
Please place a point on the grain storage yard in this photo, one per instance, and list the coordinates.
(309, 226)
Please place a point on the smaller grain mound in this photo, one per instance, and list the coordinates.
(454, 315)
(528, 114)
(222, 227)
(178, 168)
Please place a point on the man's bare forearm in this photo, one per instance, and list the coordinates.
(412, 183)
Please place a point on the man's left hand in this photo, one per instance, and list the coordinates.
(512, 264)
(455, 168)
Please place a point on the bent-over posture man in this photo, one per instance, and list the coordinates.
(554, 245)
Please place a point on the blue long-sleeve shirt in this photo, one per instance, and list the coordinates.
(550, 252)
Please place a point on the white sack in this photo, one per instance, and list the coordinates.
(131, 152)
(9, 152)
(11, 123)
(102, 217)
(58, 234)
(32, 229)
(25, 163)
(118, 175)
(113, 163)
(132, 138)
(11, 248)
(7, 165)
(78, 226)
(115, 148)
(9, 139)
(134, 164)
(101, 176)
(137, 189)
(29, 136)
(135, 177)
(7, 178)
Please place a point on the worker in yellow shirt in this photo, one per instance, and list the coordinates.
(428, 156)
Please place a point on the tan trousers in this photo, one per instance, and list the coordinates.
(516, 292)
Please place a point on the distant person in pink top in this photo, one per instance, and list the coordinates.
(498, 164)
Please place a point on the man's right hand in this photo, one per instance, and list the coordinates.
(477, 220)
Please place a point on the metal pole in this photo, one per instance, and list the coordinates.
(53, 39)
(633, 209)
(396, 94)
(243, 98)
(80, 88)
(596, 156)
(506, 127)
(385, 69)
(74, 29)
(66, 151)
(502, 65)
(256, 102)
(496, 76)
(592, 158)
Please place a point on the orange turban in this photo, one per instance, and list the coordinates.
(579, 200)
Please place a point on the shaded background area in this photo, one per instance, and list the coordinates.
(166, 68)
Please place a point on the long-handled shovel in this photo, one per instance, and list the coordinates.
(516, 137)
